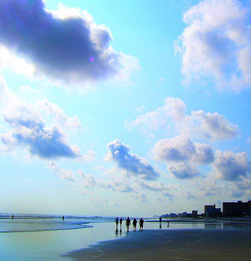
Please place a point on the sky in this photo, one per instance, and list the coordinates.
(124, 108)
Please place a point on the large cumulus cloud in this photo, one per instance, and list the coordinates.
(133, 164)
(217, 43)
(199, 124)
(64, 44)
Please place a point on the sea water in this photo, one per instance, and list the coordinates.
(43, 237)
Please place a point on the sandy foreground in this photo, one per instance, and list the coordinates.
(192, 244)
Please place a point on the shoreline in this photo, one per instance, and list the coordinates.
(188, 244)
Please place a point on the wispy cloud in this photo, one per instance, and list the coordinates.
(173, 109)
(63, 173)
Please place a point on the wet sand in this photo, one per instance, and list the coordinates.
(190, 244)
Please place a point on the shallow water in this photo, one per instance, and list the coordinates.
(51, 245)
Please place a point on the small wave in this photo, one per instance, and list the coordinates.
(44, 230)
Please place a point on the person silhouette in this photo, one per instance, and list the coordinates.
(120, 222)
(117, 222)
(141, 224)
(134, 224)
(128, 223)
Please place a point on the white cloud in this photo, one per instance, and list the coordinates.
(231, 166)
(27, 128)
(132, 163)
(183, 170)
(213, 126)
(181, 148)
(210, 126)
(216, 43)
(58, 114)
(154, 186)
(173, 109)
(18, 64)
(63, 173)
(89, 155)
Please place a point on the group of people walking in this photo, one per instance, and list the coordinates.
(128, 223)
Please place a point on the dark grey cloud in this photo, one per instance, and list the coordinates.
(72, 48)
(40, 141)
(119, 153)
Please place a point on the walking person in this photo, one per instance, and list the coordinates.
(117, 222)
(134, 223)
(141, 224)
(128, 223)
(120, 222)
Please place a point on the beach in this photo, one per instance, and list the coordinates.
(85, 238)
(189, 244)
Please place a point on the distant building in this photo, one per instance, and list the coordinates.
(236, 209)
(183, 214)
(194, 213)
(212, 211)
(173, 215)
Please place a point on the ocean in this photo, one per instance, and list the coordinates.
(49, 237)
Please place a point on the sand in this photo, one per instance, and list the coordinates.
(189, 244)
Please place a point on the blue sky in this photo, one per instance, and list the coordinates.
(124, 107)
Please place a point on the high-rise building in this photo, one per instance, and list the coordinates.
(236, 209)
(211, 211)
